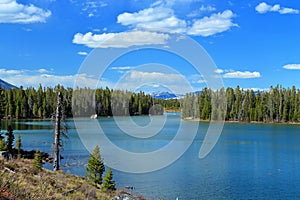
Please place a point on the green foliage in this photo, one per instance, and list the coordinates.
(38, 162)
(276, 105)
(108, 183)
(3, 146)
(10, 138)
(41, 102)
(95, 167)
(19, 145)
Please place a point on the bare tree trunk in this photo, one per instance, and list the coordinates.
(57, 132)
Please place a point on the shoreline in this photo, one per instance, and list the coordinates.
(170, 111)
(242, 122)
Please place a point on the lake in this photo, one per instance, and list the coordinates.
(250, 161)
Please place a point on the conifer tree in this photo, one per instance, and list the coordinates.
(38, 162)
(10, 138)
(95, 167)
(109, 184)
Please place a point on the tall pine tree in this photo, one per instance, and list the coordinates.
(95, 167)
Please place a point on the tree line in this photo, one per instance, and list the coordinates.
(235, 104)
(41, 102)
(276, 105)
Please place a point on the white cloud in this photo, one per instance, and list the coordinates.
(89, 7)
(42, 70)
(152, 25)
(239, 74)
(170, 3)
(122, 68)
(196, 79)
(137, 79)
(32, 78)
(157, 18)
(292, 66)
(216, 23)
(219, 71)
(288, 11)
(120, 40)
(264, 8)
(207, 8)
(202, 10)
(82, 53)
(13, 12)
(201, 81)
(163, 19)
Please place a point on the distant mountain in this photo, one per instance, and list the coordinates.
(166, 95)
(5, 85)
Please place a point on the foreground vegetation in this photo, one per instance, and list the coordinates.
(21, 180)
(26, 179)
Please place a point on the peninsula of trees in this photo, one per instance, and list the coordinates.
(275, 105)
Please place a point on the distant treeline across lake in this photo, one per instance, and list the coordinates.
(233, 104)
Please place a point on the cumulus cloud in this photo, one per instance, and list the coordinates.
(32, 78)
(13, 12)
(157, 18)
(264, 8)
(216, 23)
(164, 19)
(292, 66)
(120, 40)
(239, 74)
(153, 25)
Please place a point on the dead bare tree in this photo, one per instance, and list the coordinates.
(58, 117)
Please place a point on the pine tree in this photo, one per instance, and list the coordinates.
(95, 167)
(109, 184)
(3, 146)
(38, 162)
(10, 138)
(19, 145)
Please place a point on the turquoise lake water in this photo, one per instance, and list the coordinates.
(250, 161)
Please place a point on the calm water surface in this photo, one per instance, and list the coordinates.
(250, 161)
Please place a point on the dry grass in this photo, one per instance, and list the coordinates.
(19, 180)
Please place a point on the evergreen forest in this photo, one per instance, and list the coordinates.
(278, 104)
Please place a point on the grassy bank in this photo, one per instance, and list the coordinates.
(20, 180)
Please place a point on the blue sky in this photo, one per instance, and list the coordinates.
(254, 44)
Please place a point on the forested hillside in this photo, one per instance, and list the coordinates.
(41, 102)
(276, 105)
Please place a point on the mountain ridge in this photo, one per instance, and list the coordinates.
(6, 86)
